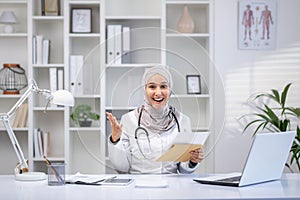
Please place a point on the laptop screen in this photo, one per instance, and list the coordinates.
(267, 157)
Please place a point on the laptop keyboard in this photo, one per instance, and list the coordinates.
(231, 179)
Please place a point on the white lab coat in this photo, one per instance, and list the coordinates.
(126, 156)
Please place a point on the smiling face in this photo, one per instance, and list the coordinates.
(157, 91)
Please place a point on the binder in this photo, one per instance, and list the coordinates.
(52, 79)
(34, 46)
(76, 74)
(110, 44)
(39, 49)
(118, 44)
(126, 45)
(46, 51)
(87, 79)
(60, 79)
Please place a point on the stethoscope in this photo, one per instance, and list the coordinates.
(143, 131)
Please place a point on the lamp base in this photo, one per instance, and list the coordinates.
(31, 176)
(8, 29)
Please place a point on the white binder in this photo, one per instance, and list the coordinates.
(53, 81)
(46, 51)
(118, 44)
(126, 45)
(76, 77)
(110, 45)
(60, 79)
(39, 49)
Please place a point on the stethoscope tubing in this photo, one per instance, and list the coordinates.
(139, 128)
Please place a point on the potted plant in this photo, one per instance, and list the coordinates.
(83, 115)
(279, 118)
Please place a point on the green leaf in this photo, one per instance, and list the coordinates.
(276, 96)
(284, 94)
(250, 123)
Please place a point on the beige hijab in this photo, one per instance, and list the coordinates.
(157, 120)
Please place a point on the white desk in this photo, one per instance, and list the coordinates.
(180, 187)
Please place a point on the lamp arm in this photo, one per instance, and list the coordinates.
(5, 119)
(22, 161)
(32, 87)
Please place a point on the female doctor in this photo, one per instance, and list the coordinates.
(145, 133)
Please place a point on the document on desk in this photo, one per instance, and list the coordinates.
(151, 181)
(83, 179)
(183, 144)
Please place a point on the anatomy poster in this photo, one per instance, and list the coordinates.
(257, 24)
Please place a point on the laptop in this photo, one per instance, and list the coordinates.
(265, 161)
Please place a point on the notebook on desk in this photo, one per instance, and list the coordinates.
(265, 161)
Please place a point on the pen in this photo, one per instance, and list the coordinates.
(59, 178)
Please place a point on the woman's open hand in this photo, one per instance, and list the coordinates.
(116, 128)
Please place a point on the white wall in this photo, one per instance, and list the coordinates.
(244, 72)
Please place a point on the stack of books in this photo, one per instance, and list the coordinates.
(41, 141)
(41, 50)
(21, 116)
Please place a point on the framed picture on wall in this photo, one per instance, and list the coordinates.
(257, 24)
(81, 20)
(193, 84)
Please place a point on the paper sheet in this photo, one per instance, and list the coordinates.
(86, 179)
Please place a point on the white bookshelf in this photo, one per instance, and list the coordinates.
(154, 40)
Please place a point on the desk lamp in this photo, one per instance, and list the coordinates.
(8, 18)
(60, 97)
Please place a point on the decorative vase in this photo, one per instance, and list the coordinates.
(185, 23)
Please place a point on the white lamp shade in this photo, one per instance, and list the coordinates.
(8, 17)
(63, 97)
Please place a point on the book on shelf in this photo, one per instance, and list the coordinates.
(37, 142)
(17, 118)
(46, 143)
(46, 51)
(40, 50)
(41, 143)
(24, 116)
(34, 45)
(21, 116)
